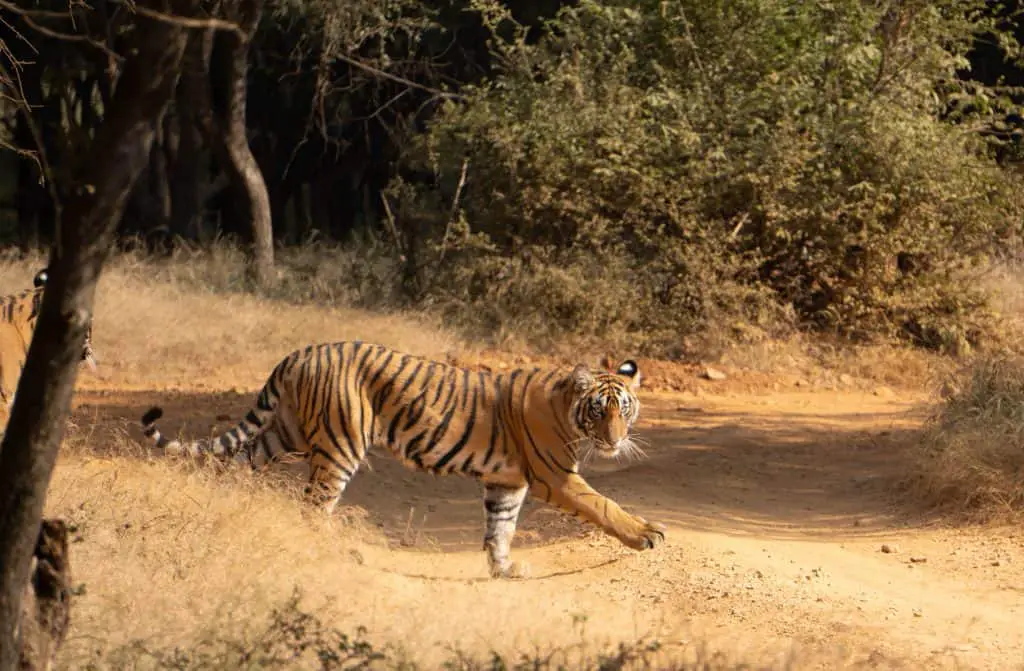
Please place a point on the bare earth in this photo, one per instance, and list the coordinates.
(778, 506)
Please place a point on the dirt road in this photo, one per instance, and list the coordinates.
(783, 530)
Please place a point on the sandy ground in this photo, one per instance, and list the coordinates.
(785, 532)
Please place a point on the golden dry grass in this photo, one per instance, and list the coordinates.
(177, 565)
(970, 458)
(970, 461)
(158, 325)
(174, 555)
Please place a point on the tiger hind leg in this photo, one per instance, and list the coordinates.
(502, 506)
(328, 478)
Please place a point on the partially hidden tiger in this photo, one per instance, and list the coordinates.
(522, 431)
(18, 316)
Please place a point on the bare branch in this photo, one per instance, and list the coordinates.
(454, 211)
(39, 13)
(188, 22)
(39, 156)
(27, 17)
(395, 78)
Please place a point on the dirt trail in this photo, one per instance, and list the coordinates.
(777, 508)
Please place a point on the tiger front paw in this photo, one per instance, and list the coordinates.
(512, 570)
(650, 535)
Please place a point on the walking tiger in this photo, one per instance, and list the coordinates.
(520, 432)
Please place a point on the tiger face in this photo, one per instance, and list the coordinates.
(605, 408)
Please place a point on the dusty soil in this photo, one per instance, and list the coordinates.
(785, 529)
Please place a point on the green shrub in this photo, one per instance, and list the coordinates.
(650, 171)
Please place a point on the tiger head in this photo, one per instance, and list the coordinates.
(605, 407)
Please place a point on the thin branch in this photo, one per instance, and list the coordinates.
(743, 219)
(38, 156)
(395, 78)
(188, 22)
(391, 225)
(454, 210)
(17, 34)
(53, 34)
(39, 13)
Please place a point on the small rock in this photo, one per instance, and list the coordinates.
(802, 383)
(890, 549)
(917, 612)
(883, 392)
(918, 560)
(996, 563)
(713, 373)
(846, 379)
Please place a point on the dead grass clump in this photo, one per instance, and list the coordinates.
(971, 455)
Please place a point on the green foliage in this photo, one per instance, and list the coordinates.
(652, 170)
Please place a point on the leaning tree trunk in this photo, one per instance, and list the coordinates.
(229, 65)
(101, 180)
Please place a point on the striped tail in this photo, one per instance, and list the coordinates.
(227, 445)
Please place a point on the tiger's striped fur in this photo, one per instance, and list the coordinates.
(18, 316)
(520, 432)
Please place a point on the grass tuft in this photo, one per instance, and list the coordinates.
(971, 454)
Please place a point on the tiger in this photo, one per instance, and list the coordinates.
(522, 431)
(18, 316)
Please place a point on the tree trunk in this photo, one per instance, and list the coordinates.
(228, 69)
(46, 608)
(191, 171)
(101, 179)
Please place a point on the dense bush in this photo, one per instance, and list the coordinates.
(652, 171)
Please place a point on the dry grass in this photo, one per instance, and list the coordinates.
(822, 362)
(971, 456)
(971, 453)
(183, 567)
(167, 551)
(162, 324)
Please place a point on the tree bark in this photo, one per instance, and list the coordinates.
(101, 180)
(228, 70)
(46, 608)
(191, 171)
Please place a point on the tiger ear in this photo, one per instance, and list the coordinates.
(629, 370)
(582, 378)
